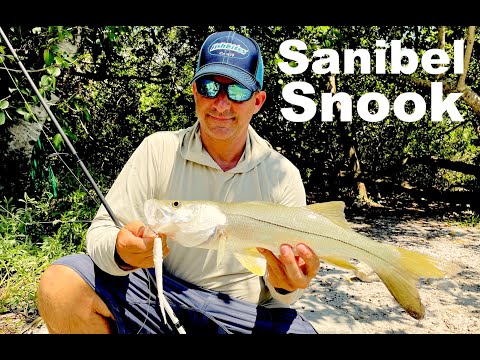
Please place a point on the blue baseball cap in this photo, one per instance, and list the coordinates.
(233, 55)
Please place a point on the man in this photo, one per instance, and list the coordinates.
(221, 158)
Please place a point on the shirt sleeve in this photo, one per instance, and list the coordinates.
(126, 197)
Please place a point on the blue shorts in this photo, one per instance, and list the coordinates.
(134, 304)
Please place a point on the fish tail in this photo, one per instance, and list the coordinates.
(426, 266)
(401, 279)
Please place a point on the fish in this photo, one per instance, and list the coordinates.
(242, 227)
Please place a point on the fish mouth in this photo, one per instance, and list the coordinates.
(163, 221)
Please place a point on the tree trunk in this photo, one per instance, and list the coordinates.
(354, 168)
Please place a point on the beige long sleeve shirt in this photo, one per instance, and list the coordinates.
(174, 165)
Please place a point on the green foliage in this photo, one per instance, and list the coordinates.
(110, 86)
(469, 219)
(125, 82)
(31, 237)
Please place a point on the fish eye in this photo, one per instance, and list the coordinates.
(176, 204)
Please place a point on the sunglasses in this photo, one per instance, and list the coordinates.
(210, 88)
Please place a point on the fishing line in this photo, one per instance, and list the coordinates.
(55, 152)
(60, 130)
(169, 310)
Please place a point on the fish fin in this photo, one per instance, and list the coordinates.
(252, 260)
(333, 210)
(401, 279)
(343, 263)
(426, 266)
(402, 285)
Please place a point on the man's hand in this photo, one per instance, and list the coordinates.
(291, 272)
(135, 249)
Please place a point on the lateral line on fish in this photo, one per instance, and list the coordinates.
(398, 268)
(315, 234)
(291, 228)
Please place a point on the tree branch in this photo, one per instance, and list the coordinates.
(466, 62)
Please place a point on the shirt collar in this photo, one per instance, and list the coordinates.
(256, 149)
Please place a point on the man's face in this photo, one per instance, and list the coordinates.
(224, 119)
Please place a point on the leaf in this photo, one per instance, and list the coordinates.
(45, 80)
(21, 111)
(87, 114)
(3, 104)
(70, 134)
(48, 57)
(54, 71)
(57, 141)
(2, 117)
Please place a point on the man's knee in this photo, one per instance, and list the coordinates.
(68, 304)
(57, 282)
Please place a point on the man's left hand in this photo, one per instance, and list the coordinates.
(289, 271)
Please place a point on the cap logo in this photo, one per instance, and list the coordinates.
(230, 54)
(228, 49)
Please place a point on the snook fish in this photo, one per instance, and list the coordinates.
(241, 227)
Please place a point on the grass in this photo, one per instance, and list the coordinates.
(469, 218)
(31, 237)
(38, 232)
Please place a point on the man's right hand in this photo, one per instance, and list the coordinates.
(135, 249)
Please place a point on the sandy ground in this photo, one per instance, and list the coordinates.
(338, 302)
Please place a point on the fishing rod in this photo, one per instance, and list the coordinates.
(60, 130)
(162, 299)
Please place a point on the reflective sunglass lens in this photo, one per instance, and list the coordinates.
(211, 88)
(239, 92)
(208, 88)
